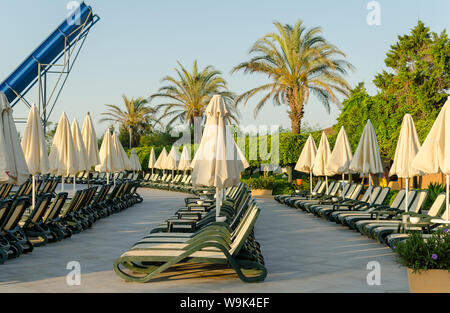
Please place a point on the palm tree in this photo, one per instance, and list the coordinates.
(137, 117)
(188, 95)
(299, 62)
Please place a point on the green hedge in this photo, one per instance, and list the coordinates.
(288, 150)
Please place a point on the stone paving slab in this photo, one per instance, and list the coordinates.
(303, 254)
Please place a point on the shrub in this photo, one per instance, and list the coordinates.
(261, 183)
(282, 187)
(421, 254)
(390, 198)
(434, 190)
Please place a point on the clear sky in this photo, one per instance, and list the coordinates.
(138, 42)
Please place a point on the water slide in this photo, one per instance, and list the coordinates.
(49, 52)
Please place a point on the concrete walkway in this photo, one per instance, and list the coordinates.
(302, 254)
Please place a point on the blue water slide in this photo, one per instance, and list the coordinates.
(49, 52)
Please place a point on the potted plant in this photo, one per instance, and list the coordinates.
(428, 261)
(261, 186)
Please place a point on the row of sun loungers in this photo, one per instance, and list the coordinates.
(192, 235)
(55, 216)
(99, 178)
(169, 181)
(367, 212)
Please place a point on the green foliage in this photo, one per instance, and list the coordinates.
(187, 95)
(421, 255)
(51, 130)
(158, 138)
(282, 187)
(144, 154)
(277, 184)
(136, 119)
(416, 82)
(260, 182)
(391, 196)
(434, 190)
(299, 63)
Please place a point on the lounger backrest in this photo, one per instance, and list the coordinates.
(102, 194)
(18, 208)
(398, 200)
(354, 194)
(366, 196)
(322, 187)
(55, 183)
(5, 207)
(330, 188)
(437, 206)
(90, 195)
(374, 195)
(73, 202)
(55, 207)
(6, 191)
(83, 201)
(345, 190)
(2, 189)
(40, 208)
(22, 189)
(317, 186)
(411, 197)
(419, 201)
(335, 189)
(242, 236)
(445, 214)
(46, 187)
(382, 195)
(237, 226)
(177, 178)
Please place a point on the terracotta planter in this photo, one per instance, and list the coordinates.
(261, 192)
(431, 281)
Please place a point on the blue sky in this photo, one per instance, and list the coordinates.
(138, 42)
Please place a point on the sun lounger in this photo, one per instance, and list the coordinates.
(204, 249)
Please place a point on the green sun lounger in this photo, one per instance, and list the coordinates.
(143, 265)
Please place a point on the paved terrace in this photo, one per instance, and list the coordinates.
(302, 253)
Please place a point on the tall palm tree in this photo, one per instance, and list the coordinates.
(299, 62)
(137, 117)
(188, 94)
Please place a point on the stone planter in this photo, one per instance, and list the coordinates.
(261, 192)
(431, 281)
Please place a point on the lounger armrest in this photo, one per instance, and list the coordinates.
(188, 222)
(331, 200)
(189, 214)
(391, 212)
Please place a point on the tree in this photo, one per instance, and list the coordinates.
(137, 118)
(188, 95)
(416, 82)
(299, 62)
